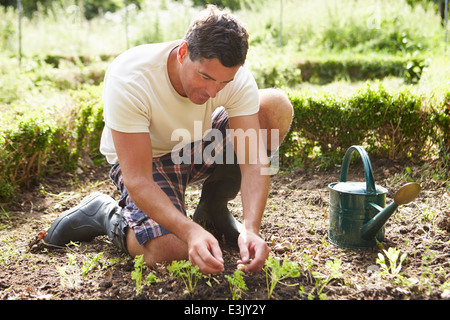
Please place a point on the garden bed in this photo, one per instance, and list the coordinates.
(295, 226)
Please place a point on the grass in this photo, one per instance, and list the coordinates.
(312, 27)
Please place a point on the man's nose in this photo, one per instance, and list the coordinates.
(212, 89)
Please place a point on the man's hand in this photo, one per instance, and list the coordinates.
(254, 252)
(204, 251)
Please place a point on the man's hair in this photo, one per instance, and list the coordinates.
(217, 34)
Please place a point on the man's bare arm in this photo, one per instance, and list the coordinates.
(134, 151)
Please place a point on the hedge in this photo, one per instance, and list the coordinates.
(397, 125)
(361, 68)
(291, 71)
(36, 143)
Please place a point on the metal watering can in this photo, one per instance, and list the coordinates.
(357, 211)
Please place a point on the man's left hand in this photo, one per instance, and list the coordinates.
(254, 252)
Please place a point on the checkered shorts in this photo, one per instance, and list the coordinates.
(173, 179)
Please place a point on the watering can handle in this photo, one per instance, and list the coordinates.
(370, 182)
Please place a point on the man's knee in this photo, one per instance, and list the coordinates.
(276, 111)
(163, 249)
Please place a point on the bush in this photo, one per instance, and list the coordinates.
(36, 143)
(441, 116)
(285, 70)
(23, 152)
(397, 126)
(360, 68)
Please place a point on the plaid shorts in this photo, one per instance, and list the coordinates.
(173, 178)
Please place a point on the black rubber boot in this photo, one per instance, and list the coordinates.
(212, 211)
(97, 214)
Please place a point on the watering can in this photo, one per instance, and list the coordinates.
(358, 211)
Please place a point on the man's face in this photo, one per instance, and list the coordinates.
(203, 79)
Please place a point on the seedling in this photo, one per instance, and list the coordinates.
(8, 252)
(321, 281)
(392, 254)
(187, 272)
(70, 274)
(275, 272)
(136, 274)
(237, 284)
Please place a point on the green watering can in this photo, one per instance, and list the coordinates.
(357, 212)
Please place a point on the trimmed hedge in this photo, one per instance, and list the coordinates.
(361, 68)
(289, 72)
(395, 125)
(35, 143)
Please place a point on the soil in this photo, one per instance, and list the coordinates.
(295, 226)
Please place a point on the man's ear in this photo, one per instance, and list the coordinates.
(183, 51)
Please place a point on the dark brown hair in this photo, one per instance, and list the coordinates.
(217, 34)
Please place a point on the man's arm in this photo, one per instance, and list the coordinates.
(254, 189)
(134, 151)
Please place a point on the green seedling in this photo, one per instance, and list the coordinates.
(136, 274)
(70, 274)
(321, 281)
(8, 252)
(275, 272)
(187, 272)
(210, 277)
(392, 269)
(237, 284)
(150, 278)
(90, 264)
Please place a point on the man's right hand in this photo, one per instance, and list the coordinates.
(204, 251)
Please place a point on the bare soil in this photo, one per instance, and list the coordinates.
(295, 226)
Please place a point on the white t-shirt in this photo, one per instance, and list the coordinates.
(139, 97)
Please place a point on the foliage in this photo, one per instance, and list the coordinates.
(393, 125)
(276, 272)
(37, 137)
(280, 69)
(90, 263)
(360, 68)
(187, 272)
(137, 274)
(237, 284)
(360, 26)
(310, 27)
(231, 4)
(37, 142)
(321, 280)
(23, 150)
(395, 265)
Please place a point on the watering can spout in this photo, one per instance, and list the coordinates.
(371, 228)
(404, 195)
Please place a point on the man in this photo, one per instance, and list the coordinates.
(151, 94)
